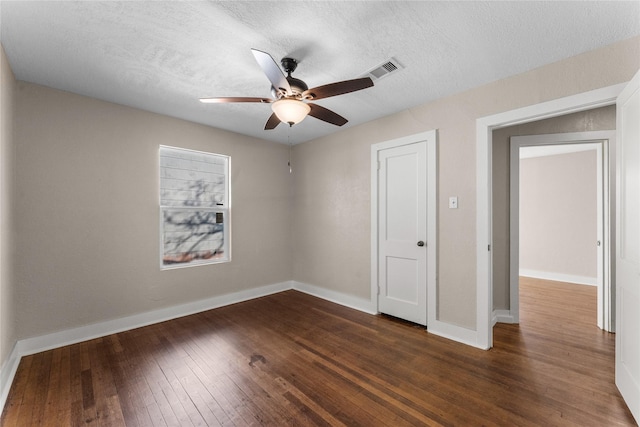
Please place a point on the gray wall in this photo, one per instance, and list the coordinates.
(597, 119)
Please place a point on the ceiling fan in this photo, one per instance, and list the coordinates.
(290, 95)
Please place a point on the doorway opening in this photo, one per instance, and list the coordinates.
(559, 215)
(484, 126)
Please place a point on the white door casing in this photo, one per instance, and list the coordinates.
(483, 335)
(403, 214)
(599, 140)
(627, 363)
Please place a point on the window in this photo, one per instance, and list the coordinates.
(194, 208)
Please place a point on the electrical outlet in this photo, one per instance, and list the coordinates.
(453, 202)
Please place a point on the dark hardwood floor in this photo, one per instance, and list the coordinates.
(292, 359)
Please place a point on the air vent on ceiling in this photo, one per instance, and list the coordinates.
(385, 69)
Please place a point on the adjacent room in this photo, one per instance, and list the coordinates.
(301, 213)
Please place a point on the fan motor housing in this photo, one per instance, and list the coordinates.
(297, 87)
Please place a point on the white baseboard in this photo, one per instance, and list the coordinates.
(7, 373)
(559, 277)
(502, 316)
(346, 300)
(72, 336)
(454, 333)
(41, 343)
(441, 329)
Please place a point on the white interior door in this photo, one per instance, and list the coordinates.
(628, 246)
(402, 233)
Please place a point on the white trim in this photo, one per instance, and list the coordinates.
(514, 232)
(431, 138)
(502, 316)
(529, 152)
(7, 373)
(432, 229)
(374, 228)
(442, 329)
(484, 241)
(83, 333)
(453, 332)
(346, 300)
(484, 127)
(559, 277)
(224, 208)
(627, 377)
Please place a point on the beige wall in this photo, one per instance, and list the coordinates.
(603, 118)
(7, 282)
(87, 216)
(331, 205)
(86, 199)
(558, 214)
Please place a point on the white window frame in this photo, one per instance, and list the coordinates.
(194, 194)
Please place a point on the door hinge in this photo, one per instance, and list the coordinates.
(489, 248)
(378, 164)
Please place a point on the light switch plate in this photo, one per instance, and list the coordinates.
(453, 202)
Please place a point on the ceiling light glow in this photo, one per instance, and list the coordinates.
(290, 111)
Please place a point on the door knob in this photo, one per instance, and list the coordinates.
(420, 243)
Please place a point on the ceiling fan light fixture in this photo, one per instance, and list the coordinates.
(290, 111)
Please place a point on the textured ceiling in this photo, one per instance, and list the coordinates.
(163, 56)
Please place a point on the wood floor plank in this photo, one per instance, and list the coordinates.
(292, 359)
(108, 411)
(54, 392)
(75, 386)
(39, 384)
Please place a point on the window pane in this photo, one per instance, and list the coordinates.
(191, 235)
(194, 195)
(190, 178)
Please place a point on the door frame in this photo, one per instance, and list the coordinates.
(484, 128)
(601, 140)
(430, 138)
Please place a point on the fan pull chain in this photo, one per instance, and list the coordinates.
(289, 163)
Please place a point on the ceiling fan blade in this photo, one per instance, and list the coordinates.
(338, 88)
(326, 115)
(228, 99)
(272, 122)
(272, 70)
